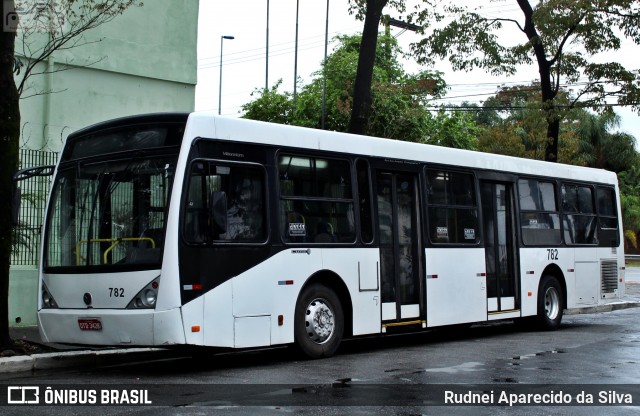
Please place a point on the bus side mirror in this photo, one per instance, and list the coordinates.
(15, 206)
(21, 175)
(218, 212)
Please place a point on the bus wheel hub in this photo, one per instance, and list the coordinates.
(319, 321)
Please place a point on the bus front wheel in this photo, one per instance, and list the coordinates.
(550, 303)
(319, 321)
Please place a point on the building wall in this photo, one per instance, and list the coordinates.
(141, 62)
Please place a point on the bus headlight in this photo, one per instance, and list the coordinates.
(149, 297)
(48, 302)
(146, 298)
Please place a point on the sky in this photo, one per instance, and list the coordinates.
(244, 66)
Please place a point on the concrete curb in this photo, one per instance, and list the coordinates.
(76, 359)
(603, 308)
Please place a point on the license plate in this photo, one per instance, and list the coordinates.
(90, 324)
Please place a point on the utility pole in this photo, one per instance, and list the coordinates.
(295, 64)
(266, 75)
(324, 70)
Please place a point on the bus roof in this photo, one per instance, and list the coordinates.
(137, 119)
(209, 125)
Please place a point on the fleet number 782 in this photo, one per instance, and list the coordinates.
(116, 292)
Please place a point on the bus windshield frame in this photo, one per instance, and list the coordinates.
(108, 211)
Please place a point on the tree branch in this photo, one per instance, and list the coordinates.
(499, 19)
(564, 40)
(93, 15)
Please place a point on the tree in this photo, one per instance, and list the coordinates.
(371, 12)
(516, 125)
(630, 202)
(398, 98)
(48, 27)
(456, 129)
(559, 36)
(9, 141)
(270, 105)
(601, 148)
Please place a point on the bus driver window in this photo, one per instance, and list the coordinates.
(244, 190)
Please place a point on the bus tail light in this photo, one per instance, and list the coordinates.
(48, 302)
(146, 298)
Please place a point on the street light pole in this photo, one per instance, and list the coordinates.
(222, 38)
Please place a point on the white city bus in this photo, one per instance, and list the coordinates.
(192, 229)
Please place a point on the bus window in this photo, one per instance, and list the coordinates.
(244, 189)
(364, 195)
(453, 214)
(579, 217)
(316, 200)
(607, 217)
(539, 218)
(109, 213)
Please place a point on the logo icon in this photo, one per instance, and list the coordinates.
(23, 395)
(33, 16)
(10, 17)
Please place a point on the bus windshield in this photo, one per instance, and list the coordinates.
(109, 214)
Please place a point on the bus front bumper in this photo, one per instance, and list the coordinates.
(111, 327)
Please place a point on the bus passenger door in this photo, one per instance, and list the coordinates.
(400, 253)
(500, 247)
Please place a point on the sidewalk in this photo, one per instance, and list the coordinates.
(69, 356)
(65, 356)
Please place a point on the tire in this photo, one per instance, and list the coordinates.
(550, 303)
(319, 321)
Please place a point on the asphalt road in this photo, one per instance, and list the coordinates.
(632, 274)
(403, 375)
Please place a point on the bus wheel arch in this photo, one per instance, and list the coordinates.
(552, 298)
(323, 315)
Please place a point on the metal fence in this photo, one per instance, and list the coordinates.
(26, 236)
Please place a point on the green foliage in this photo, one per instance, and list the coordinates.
(270, 105)
(517, 126)
(559, 36)
(630, 205)
(630, 238)
(568, 33)
(456, 129)
(397, 109)
(599, 147)
(629, 181)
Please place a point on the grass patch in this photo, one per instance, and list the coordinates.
(632, 263)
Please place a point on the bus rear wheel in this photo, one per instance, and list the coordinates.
(319, 321)
(550, 303)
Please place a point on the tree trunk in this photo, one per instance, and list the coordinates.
(9, 143)
(547, 87)
(362, 89)
(553, 132)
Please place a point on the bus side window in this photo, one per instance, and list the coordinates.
(539, 218)
(196, 218)
(452, 209)
(579, 215)
(609, 235)
(243, 187)
(364, 199)
(316, 200)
